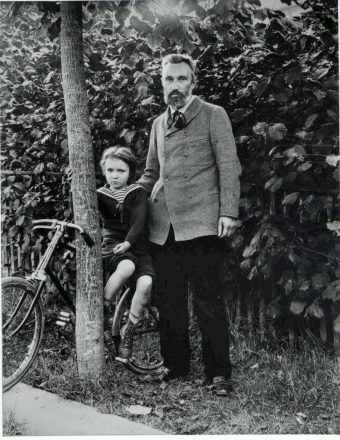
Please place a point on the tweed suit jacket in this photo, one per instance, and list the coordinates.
(192, 174)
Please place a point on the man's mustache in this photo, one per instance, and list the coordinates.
(177, 93)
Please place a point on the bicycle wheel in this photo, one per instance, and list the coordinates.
(19, 347)
(146, 347)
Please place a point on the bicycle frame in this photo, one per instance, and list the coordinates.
(40, 275)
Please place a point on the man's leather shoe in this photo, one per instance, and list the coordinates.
(221, 386)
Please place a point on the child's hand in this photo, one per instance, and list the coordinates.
(121, 247)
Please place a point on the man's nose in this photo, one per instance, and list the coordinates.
(174, 85)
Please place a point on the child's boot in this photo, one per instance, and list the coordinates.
(126, 343)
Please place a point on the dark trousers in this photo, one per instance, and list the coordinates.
(200, 261)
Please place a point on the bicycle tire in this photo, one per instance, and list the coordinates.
(20, 350)
(146, 356)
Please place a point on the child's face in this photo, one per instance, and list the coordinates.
(117, 173)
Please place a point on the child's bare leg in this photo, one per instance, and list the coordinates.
(141, 298)
(124, 271)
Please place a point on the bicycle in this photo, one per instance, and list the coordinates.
(23, 314)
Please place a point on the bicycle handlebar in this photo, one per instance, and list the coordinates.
(41, 224)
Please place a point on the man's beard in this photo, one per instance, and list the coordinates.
(177, 100)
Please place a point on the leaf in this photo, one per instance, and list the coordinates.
(297, 151)
(320, 281)
(297, 307)
(305, 166)
(241, 139)
(141, 26)
(278, 131)
(249, 251)
(239, 114)
(319, 94)
(147, 101)
(321, 72)
(290, 198)
(128, 136)
(261, 87)
(332, 160)
(314, 310)
(19, 186)
(138, 410)
(293, 75)
(260, 128)
(332, 291)
(273, 184)
(283, 96)
(310, 120)
(334, 226)
(20, 220)
(12, 232)
(306, 136)
(301, 418)
(48, 77)
(39, 168)
(336, 324)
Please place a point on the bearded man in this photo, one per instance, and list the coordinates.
(192, 171)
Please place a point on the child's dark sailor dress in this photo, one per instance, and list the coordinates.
(124, 216)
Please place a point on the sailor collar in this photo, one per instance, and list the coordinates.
(108, 192)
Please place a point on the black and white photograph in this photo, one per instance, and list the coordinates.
(170, 222)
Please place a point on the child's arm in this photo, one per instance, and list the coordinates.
(138, 217)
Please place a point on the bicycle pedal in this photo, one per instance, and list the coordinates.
(122, 360)
(63, 319)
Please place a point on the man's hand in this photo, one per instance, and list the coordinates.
(121, 247)
(226, 226)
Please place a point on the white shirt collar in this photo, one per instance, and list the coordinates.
(183, 109)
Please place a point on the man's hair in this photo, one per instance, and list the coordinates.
(122, 153)
(177, 58)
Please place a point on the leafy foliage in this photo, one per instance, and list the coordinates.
(275, 76)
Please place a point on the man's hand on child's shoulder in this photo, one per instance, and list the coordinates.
(121, 247)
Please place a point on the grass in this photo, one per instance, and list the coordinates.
(276, 392)
(11, 427)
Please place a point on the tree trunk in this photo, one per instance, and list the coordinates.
(89, 307)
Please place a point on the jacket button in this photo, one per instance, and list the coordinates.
(185, 176)
(185, 155)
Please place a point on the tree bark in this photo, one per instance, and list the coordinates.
(89, 306)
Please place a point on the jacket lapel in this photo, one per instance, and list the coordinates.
(194, 108)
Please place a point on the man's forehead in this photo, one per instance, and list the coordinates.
(176, 69)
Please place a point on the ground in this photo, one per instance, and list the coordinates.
(277, 391)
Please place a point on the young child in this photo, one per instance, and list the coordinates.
(123, 208)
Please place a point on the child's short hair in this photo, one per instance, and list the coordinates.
(122, 153)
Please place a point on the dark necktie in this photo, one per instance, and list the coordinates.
(177, 119)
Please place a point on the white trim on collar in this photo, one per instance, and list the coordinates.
(108, 192)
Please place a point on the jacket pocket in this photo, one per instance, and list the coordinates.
(198, 140)
(158, 185)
